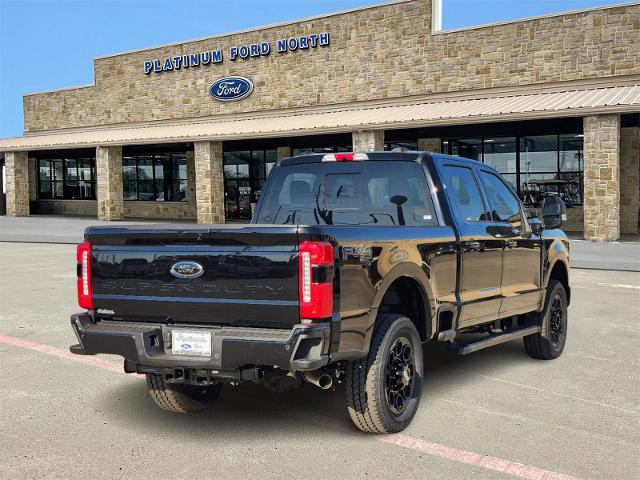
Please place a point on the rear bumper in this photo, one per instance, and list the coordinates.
(305, 347)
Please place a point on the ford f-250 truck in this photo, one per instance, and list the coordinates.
(351, 262)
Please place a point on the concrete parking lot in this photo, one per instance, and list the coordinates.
(493, 414)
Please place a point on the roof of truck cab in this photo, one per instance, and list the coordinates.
(404, 156)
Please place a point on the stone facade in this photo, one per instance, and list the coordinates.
(368, 141)
(283, 152)
(109, 183)
(629, 179)
(163, 210)
(33, 180)
(375, 53)
(17, 183)
(602, 177)
(209, 182)
(430, 145)
(84, 208)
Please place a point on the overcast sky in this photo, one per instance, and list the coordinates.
(51, 44)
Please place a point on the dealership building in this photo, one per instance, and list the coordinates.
(190, 130)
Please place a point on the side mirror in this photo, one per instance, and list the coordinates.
(554, 212)
(536, 225)
(531, 213)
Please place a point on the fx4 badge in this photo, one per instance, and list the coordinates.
(360, 253)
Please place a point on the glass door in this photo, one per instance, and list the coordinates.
(245, 172)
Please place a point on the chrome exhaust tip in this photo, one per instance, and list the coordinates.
(319, 379)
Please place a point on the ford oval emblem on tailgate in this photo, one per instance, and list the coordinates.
(187, 269)
(228, 89)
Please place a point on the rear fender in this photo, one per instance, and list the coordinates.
(413, 272)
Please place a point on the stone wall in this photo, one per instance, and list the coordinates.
(602, 177)
(430, 145)
(85, 208)
(33, 179)
(629, 179)
(166, 210)
(375, 53)
(368, 141)
(209, 182)
(109, 183)
(17, 183)
(575, 220)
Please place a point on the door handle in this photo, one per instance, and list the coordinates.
(508, 244)
(473, 245)
(501, 231)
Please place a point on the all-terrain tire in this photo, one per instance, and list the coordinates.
(549, 343)
(372, 405)
(179, 398)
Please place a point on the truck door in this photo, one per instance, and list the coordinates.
(521, 260)
(481, 252)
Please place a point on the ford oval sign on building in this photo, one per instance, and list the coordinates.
(228, 89)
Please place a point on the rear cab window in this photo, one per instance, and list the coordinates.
(348, 193)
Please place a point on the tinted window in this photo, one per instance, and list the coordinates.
(353, 193)
(464, 194)
(505, 205)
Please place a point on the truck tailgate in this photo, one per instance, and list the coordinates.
(249, 274)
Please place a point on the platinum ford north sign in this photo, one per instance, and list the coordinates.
(228, 89)
(244, 52)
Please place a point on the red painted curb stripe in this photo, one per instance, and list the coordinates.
(60, 353)
(435, 449)
(470, 458)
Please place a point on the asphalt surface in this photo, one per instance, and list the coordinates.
(623, 255)
(482, 416)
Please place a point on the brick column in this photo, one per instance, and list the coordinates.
(109, 182)
(283, 152)
(368, 141)
(33, 177)
(602, 177)
(629, 179)
(209, 182)
(430, 145)
(17, 183)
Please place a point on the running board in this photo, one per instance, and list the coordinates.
(497, 339)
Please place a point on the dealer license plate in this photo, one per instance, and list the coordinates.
(191, 342)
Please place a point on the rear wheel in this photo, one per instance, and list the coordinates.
(384, 388)
(549, 343)
(181, 398)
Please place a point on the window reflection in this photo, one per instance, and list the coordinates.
(245, 172)
(536, 165)
(160, 177)
(66, 177)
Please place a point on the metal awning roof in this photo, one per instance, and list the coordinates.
(574, 102)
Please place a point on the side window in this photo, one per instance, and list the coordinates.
(464, 194)
(505, 205)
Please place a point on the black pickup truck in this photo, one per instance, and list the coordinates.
(352, 261)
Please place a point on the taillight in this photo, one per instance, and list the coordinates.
(316, 280)
(345, 157)
(85, 293)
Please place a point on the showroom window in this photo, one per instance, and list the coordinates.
(535, 165)
(66, 177)
(245, 172)
(153, 177)
(327, 149)
(401, 145)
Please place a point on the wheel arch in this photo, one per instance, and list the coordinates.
(406, 290)
(559, 271)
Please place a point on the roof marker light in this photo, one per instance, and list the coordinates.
(345, 157)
